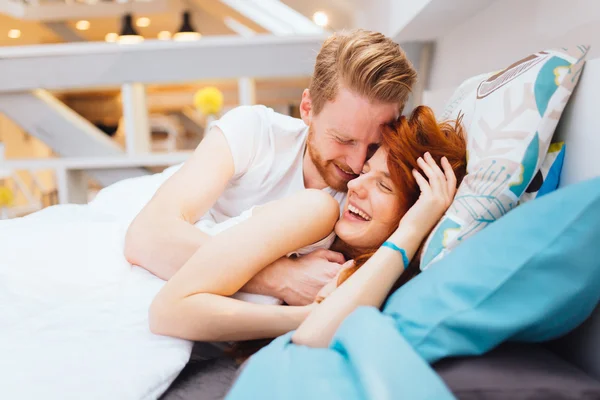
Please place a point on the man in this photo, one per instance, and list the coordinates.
(253, 155)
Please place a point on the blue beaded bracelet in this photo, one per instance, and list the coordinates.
(398, 249)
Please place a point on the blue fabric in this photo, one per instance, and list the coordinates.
(283, 370)
(532, 275)
(367, 359)
(384, 365)
(552, 179)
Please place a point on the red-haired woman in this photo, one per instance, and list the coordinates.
(402, 192)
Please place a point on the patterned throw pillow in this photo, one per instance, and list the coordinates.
(510, 117)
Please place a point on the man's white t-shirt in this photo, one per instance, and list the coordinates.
(268, 149)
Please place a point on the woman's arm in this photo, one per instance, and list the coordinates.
(371, 283)
(193, 304)
(368, 286)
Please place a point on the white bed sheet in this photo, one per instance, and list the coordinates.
(74, 312)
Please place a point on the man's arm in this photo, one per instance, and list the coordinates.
(162, 237)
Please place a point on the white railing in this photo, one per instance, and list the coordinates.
(71, 182)
(92, 65)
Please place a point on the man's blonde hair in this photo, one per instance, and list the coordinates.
(367, 63)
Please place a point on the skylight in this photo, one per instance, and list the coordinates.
(275, 16)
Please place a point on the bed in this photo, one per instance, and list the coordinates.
(570, 364)
(63, 266)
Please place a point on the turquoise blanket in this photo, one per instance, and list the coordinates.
(367, 359)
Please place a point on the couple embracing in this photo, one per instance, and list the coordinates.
(277, 224)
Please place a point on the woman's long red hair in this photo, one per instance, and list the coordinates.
(406, 141)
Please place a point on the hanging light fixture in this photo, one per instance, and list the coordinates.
(187, 31)
(128, 34)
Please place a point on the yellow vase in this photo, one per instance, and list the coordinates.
(209, 100)
(6, 196)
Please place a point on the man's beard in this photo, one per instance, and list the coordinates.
(325, 168)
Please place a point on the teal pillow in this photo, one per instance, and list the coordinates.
(547, 178)
(533, 275)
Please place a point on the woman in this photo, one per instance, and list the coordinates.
(391, 202)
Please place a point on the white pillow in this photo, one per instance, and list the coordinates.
(510, 117)
(126, 198)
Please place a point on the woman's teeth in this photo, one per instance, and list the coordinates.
(358, 212)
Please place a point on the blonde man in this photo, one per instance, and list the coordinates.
(253, 155)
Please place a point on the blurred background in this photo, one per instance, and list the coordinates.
(96, 91)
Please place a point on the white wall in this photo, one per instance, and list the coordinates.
(401, 12)
(373, 15)
(505, 32)
(386, 16)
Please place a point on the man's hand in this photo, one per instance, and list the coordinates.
(309, 274)
(297, 280)
(333, 284)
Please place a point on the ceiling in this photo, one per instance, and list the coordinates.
(31, 32)
(34, 32)
(210, 18)
(340, 12)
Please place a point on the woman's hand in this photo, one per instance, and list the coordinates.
(333, 284)
(437, 193)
